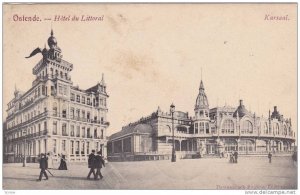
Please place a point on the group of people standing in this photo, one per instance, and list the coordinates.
(46, 162)
(233, 156)
(95, 162)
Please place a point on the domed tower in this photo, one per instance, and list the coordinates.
(201, 122)
(54, 52)
(241, 110)
(201, 106)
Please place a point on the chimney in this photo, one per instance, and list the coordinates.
(241, 102)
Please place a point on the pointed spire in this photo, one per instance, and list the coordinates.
(102, 80)
(51, 32)
(201, 85)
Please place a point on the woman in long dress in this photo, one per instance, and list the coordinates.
(63, 164)
(50, 161)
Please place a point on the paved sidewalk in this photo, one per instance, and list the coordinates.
(249, 173)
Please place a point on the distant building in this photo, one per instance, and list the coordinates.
(212, 131)
(55, 116)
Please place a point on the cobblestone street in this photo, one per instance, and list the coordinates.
(210, 173)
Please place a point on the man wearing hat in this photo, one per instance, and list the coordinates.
(98, 166)
(43, 167)
(91, 164)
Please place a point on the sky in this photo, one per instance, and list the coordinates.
(152, 54)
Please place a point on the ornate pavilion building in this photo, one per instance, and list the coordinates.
(211, 131)
(55, 116)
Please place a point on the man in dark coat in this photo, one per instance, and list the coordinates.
(98, 165)
(270, 157)
(91, 164)
(43, 167)
(235, 156)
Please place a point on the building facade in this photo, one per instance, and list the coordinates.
(54, 115)
(211, 131)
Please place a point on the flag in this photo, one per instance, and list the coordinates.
(37, 50)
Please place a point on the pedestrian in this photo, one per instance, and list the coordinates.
(270, 157)
(63, 164)
(235, 156)
(294, 156)
(231, 157)
(43, 167)
(98, 165)
(91, 164)
(50, 160)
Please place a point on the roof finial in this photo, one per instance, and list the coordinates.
(51, 31)
(201, 73)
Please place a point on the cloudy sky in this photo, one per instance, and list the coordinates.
(152, 55)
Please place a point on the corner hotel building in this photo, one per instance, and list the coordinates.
(54, 115)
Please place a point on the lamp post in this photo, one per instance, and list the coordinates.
(24, 160)
(172, 110)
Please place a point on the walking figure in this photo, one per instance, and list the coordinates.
(294, 156)
(43, 166)
(98, 165)
(50, 161)
(231, 157)
(235, 154)
(63, 164)
(91, 164)
(270, 157)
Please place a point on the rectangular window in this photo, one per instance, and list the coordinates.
(196, 128)
(88, 133)
(64, 129)
(83, 132)
(82, 148)
(72, 113)
(83, 114)
(77, 148)
(63, 145)
(95, 133)
(54, 128)
(54, 146)
(88, 101)
(78, 131)
(207, 128)
(78, 98)
(201, 128)
(83, 99)
(60, 89)
(72, 97)
(72, 130)
(65, 90)
(87, 147)
(78, 114)
(72, 147)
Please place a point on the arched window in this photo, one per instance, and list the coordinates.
(228, 127)
(285, 130)
(247, 127)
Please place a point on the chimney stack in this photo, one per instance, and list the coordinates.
(241, 102)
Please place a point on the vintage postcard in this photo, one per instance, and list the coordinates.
(150, 96)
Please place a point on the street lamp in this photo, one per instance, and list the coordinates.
(24, 160)
(172, 110)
